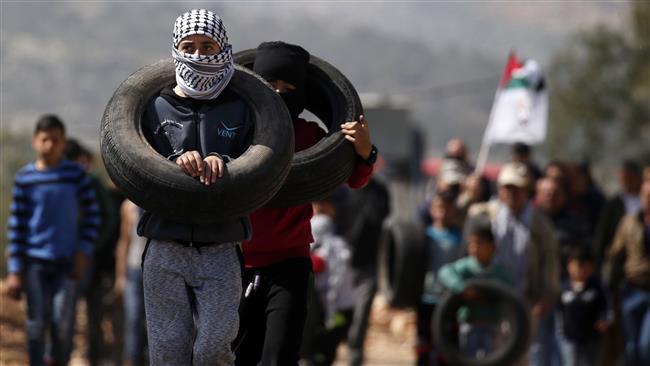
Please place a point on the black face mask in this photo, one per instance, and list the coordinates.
(295, 102)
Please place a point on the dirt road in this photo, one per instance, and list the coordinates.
(389, 343)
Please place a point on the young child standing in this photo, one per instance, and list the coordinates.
(445, 245)
(334, 284)
(191, 272)
(477, 335)
(582, 310)
(49, 245)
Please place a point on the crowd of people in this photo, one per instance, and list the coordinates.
(240, 291)
(579, 261)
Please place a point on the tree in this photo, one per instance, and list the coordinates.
(600, 90)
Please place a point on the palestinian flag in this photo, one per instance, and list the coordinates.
(520, 109)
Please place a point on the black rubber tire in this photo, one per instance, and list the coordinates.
(317, 171)
(445, 321)
(403, 260)
(158, 185)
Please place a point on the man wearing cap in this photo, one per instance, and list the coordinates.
(277, 261)
(192, 272)
(524, 238)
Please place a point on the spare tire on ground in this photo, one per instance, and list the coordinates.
(317, 171)
(159, 185)
(512, 328)
(403, 261)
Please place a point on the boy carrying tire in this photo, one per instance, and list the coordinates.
(192, 272)
(479, 321)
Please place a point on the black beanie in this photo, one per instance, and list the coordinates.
(282, 61)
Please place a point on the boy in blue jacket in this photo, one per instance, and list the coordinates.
(49, 244)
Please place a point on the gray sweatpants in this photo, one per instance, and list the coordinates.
(191, 299)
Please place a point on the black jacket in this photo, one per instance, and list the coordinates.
(610, 216)
(174, 125)
(370, 205)
(580, 310)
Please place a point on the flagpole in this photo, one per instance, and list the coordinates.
(481, 159)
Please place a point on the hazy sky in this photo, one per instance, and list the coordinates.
(67, 57)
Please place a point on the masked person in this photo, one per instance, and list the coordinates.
(278, 267)
(192, 272)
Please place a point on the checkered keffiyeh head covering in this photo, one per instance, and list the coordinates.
(202, 76)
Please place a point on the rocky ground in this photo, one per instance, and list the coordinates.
(390, 338)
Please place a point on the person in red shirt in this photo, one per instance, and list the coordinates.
(277, 264)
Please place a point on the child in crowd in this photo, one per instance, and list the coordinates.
(444, 242)
(53, 224)
(478, 322)
(582, 310)
(333, 283)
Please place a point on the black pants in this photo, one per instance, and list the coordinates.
(101, 305)
(424, 348)
(365, 286)
(328, 340)
(273, 315)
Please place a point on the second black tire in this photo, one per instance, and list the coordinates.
(317, 171)
(500, 298)
(403, 261)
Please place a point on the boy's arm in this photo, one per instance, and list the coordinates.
(358, 133)
(605, 313)
(451, 277)
(18, 230)
(361, 174)
(128, 214)
(18, 233)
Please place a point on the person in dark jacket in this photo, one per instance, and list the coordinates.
(586, 199)
(629, 276)
(277, 263)
(97, 284)
(371, 206)
(626, 202)
(582, 310)
(551, 198)
(192, 272)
